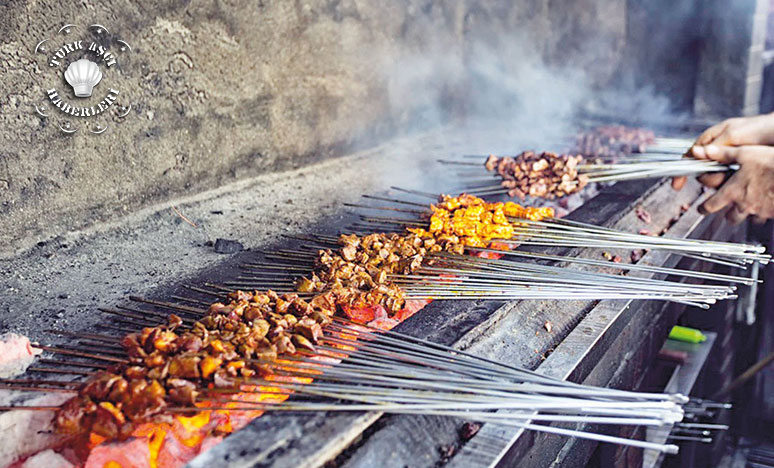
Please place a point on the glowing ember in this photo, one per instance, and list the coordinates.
(173, 444)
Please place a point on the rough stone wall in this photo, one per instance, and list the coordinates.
(231, 88)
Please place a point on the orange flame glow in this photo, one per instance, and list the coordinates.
(173, 444)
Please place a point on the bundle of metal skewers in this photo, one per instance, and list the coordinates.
(516, 274)
(555, 175)
(655, 168)
(660, 147)
(359, 368)
(560, 232)
(451, 276)
(364, 369)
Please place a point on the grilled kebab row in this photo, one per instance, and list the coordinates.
(173, 365)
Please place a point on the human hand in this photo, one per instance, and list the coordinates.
(750, 190)
(739, 131)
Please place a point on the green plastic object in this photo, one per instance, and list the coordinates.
(690, 335)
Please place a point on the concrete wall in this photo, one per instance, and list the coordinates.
(731, 67)
(230, 88)
(664, 42)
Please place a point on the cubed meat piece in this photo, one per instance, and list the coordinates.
(182, 392)
(304, 285)
(132, 346)
(240, 296)
(208, 365)
(185, 366)
(491, 162)
(349, 239)
(70, 417)
(135, 372)
(108, 420)
(349, 252)
(165, 341)
(160, 372)
(517, 193)
(302, 342)
(310, 329)
(283, 344)
(174, 321)
(260, 328)
(221, 379)
(100, 386)
(265, 353)
(540, 165)
(190, 343)
(219, 308)
(156, 359)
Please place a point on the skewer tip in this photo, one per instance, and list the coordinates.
(680, 398)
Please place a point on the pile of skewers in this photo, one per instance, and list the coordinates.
(431, 262)
(604, 154)
(550, 175)
(398, 374)
(183, 369)
(293, 339)
(239, 342)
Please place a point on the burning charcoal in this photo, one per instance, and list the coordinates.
(47, 458)
(227, 246)
(470, 429)
(643, 215)
(548, 326)
(16, 354)
(447, 451)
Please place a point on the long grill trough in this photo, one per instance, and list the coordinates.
(480, 333)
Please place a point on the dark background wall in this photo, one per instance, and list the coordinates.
(223, 90)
